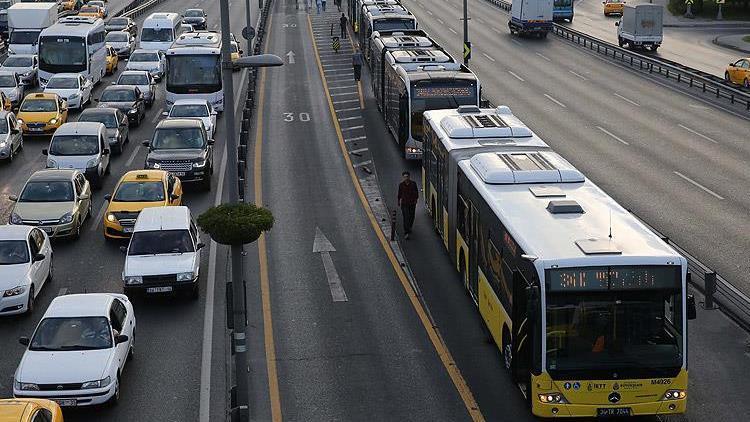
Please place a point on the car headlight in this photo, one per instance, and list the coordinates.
(111, 217)
(133, 111)
(10, 51)
(185, 276)
(26, 386)
(552, 398)
(51, 164)
(133, 279)
(675, 394)
(73, 96)
(3, 144)
(199, 164)
(153, 165)
(66, 218)
(18, 290)
(20, 121)
(92, 163)
(53, 121)
(96, 384)
(15, 219)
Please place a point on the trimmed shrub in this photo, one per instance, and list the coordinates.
(235, 224)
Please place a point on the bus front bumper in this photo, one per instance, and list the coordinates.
(560, 410)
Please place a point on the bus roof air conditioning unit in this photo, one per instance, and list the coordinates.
(524, 167)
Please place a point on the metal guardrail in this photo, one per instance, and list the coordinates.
(674, 71)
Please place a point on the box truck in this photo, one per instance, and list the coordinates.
(25, 22)
(531, 17)
(641, 26)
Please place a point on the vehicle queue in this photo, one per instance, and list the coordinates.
(76, 354)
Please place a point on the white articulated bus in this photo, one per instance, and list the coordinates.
(194, 68)
(383, 18)
(588, 307)
(73, 45)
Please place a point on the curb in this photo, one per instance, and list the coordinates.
(730, 46)
(743, 25)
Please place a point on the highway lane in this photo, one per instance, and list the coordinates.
(163, 382)
(364, 356)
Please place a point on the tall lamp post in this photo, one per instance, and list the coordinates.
(467, 44)
(239, 345)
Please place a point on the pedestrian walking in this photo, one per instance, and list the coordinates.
(342, 23)
(357, 62)
(408, 194)
(307, 6)
(324, 5)
(338, 4)
(318, 3)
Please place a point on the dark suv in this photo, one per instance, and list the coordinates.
(183, 148)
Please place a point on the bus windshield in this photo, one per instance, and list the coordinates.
(188, 74)
(436, 94)
(626, 330)
(58, 54)
(392, 24)
(156, 35)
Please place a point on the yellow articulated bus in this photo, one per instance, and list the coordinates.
(587, 306)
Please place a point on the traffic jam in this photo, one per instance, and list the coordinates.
(61, 86)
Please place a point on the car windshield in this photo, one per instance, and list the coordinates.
(12, 61)
(160, 242)
(178, 138)
(140, 192)
(193, 13)
(118, 21)
(117, 95)
(13, 252)
(139, 79)
(156, 34)
(63, 83)
(41, 105)
(144, 57)
(3, 126)
(109, 119)
(47, 191)
(7, 81)
(117, 37)
(189, 110)
(74, 145)
(72, 333)
(24, 37)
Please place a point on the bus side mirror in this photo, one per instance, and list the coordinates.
(691, 313)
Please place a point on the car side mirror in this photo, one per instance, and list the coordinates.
(123, 249)
(64, 108)
(174, 197)
(24, 341)
(105, 152)
(45, 152)
(165, 113)
(127, 59)
(121, 338)
(200, 246)
(96, 100)
(146, 143)
(13, 198)
(211, 141)
(690, 311)
(242, 52)
(15, 131)
(39, 257)
(84, 197)
(108, 197)
(113, 83)
(617, 23)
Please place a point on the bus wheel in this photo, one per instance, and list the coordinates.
(464, 275)
(507, 349)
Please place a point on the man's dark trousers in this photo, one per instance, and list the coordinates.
(408, 212)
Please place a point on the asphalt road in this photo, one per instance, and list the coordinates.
(164, 381)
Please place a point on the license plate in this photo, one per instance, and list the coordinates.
(66, 403)
(127, 230)
(178, 173)
(164, 289)
(48, 230)
(612, 412)
(35, 129)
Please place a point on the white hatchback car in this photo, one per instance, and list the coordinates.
(72, 87)
(194, 109)
(153, 61)
(78, 351)
(25, 267)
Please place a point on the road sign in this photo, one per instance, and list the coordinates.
(689, 1)
(720, 1)
(248, 33)
(467, 50)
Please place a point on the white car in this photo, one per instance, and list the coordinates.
(164, 253)
(25, 267)
(11, 85)
(25, 65)
(100, 4)
(72, 87)
(123, 42)
(151, 60)
(194, 109)
(78, 351)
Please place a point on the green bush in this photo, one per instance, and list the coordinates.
(235, 224)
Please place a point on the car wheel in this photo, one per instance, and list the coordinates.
(195, 293)
(10, 154)
(115, 399)
(20, 144)
(117, 149)
(206, 184)
(131, 350)
(51, 274)
(30, 302)
(746, 83)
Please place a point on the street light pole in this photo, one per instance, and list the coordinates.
(249, 19)
(466, 33)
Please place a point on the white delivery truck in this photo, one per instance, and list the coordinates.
(641, 26)
(25, 22)
(531, 17)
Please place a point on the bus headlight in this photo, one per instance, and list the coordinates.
(410, 150)
(551, 398)
(675, 394)
(133, 279)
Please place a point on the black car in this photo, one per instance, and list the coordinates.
(183, 148)
(126, 98)
(116, 122)
(121, 23)
(195, 17)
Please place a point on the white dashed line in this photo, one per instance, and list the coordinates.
(617, 138)
(707, 190)
(516, 42)
(99, 217)
(440, 21)
(488, 57)
(555, 101)
(453, 30)
(516, 76)
(698, 134)
(543, 56)
(626, 99)
(132, 155)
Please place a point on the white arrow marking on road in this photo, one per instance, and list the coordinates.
(323, 246)
(290, 55)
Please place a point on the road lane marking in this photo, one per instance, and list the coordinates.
(698, 134)
(353, 128)
(488, 57)
(452, 30)
(432, 331)
(583, 78)
(157, 116)
(342, 110)
(429, 13)
(555, 101)
(480, 20)
(516, 42)
(440, 21)
(63, 291)
(543, 56)
(358, 151)
(497, 31)
(323, 246)
(707, 190)
(626, 99)
(345, 101)
(617, 138)
(99, 217)
(349, 118)
(516, 76)
(362, 163)
(357, 138)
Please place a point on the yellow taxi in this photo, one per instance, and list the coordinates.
(112, 60)
(235, 51)
(42, 113)
(613, 7)
(29, 410)
(5, 101)
(136, 190)
(739, 72)
(91, 11)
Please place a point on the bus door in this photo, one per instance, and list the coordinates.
(403, 120)
(523, 303)
(474, 251)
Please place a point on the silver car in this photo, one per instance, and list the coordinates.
(11, 136)
(153, 61)
(143, 80)
(25, 65)
(121, 41)
(11, 85)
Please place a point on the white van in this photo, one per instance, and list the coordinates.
(159, 30)
(82, 146)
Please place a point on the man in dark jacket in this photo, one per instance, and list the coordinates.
(357, 61)
(342, 24)
(408, 194)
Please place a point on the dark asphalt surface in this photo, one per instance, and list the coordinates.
(163, 382)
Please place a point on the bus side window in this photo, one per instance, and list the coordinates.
(462, 217)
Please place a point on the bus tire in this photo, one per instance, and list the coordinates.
(462, 271)
(507, 349)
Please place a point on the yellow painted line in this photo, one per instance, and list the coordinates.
(361, 97)
(265, 289)
(437, 341)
